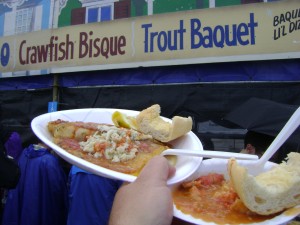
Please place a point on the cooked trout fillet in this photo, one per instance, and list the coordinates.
(119, 149)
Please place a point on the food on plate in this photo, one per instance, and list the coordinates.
(269, 192)
(122, 120)
(211, 198)
(149, 122)
(116, 148)
(242, 198)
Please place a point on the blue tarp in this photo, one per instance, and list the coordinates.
(248, 71)
(275, 70)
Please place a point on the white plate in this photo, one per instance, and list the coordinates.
(186, 165)
(220, 166)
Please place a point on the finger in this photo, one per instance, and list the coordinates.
(157, 170)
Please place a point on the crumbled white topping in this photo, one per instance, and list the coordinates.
(115, 144)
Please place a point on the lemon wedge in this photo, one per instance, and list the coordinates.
(122, 120)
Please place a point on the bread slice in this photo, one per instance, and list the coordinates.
(150, 122)
(271, 191)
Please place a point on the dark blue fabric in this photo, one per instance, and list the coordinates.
(14, 145)
(265, 70)
(244, 71)
(90, 198)
(26, 82)
(40, 197)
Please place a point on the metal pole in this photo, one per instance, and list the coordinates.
(55, 88)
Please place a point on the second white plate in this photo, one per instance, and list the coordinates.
(220, 166)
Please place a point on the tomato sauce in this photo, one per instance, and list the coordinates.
(148, 150)
(119, 149)
(213, 199)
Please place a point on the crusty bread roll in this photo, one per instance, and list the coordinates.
(271, 191)
(150, 122)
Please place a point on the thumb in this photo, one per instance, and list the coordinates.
(157, 170)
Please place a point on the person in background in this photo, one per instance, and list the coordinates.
(90, 197)
(148, 200)
(40, 197)
(13, 145)
(10, 149)
(256, 143)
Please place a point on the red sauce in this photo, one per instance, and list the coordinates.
(213, 199)
(67, 135)
(148, 150)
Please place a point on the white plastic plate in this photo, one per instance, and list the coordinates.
(185, 167)
(220, 166)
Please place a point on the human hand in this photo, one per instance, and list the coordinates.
(148, 200)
